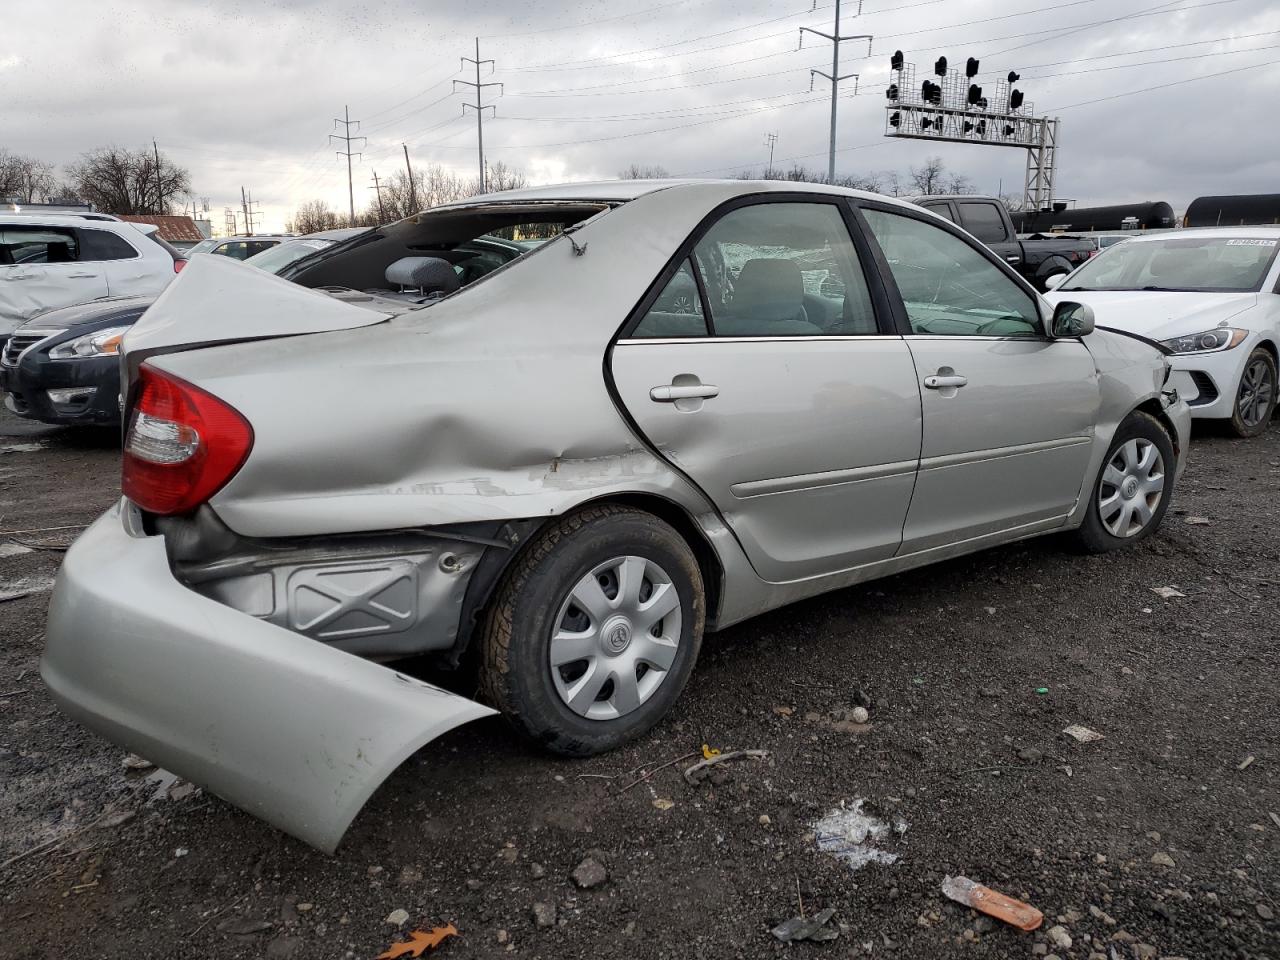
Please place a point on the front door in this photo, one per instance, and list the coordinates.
(1008, 411)
(763, 371)
(40, 270)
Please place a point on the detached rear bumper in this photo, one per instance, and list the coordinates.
(293, 731)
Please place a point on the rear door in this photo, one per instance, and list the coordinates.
(129, 273)
(1009, 412)
(989, 222)
(40, 269)
(762, 365)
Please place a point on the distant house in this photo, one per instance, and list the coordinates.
(172, 229)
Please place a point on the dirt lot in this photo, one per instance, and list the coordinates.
(1159, 840)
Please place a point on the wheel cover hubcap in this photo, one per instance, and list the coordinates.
(615, 638)
(1131, 488)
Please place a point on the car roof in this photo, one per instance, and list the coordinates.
(620, 191)
(1211, 233)
(60, 219)
(257, 236)
(339, 234)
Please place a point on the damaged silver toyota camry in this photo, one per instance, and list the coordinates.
(564, 431)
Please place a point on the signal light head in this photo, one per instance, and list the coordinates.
(1008, 130)
(940, 68)
(926, 123)
(975, 94)
(1015, 99)
(930, 92)
(892, 92)
(1013, 77)
(971, 68)
(968, 127)
(895, 119)
(895, 62)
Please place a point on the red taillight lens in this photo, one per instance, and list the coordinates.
(182, 445)
(178, 265)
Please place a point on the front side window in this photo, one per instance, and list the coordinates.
(678, 310)
(29, 245)
(948, 287)
(1219, 264)
(983, 220)
(784, 269)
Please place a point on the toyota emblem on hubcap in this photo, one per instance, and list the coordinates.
(618, 636)
(1130, 488)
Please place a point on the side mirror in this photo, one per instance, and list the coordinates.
(1072, 320)
(1055, 281)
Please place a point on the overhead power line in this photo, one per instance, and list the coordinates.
(1164, 86)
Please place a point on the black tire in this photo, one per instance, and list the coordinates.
(1264, 364)
(1093, 535)
(515, 670)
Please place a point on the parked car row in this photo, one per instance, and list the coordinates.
(696, 402)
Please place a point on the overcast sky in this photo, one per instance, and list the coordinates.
(244, 92)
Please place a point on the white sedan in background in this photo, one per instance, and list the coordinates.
(1210, 296)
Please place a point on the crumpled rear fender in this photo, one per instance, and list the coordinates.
(293, 731)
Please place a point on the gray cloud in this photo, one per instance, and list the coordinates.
(243, 93)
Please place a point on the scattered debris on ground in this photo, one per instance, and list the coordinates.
(1082, 734)
(854, 837)
(993, 903)
(816, 928)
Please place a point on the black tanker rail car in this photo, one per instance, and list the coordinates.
(1152, 215)
(1254, 209)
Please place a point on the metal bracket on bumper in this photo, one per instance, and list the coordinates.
(289, 729)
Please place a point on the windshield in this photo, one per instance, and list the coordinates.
(1210, 264)
(204, 246)
(279, 257)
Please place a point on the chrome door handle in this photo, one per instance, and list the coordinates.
(941, 383)
(1014, 258)
(693, 391)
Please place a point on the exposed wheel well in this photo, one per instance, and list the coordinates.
(683, 524)
(1156, 410)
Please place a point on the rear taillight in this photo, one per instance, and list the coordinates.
(182, 445)
(178, 265)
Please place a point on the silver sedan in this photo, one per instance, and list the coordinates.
(567, 431)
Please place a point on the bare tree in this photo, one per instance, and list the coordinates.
(123, 181)
(25, 179)
(498, 176)
(314, 216)
(644, 171)
(928, 179)
(959, 183)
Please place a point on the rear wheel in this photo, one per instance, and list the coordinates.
(1256, 395)
(1133, 486)
(594, 631)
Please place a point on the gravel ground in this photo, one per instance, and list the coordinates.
(1158, 841)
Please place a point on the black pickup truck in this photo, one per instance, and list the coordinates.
(1037, 258)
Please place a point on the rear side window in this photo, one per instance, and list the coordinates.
(243, 249)
(941, 209)
(105, 245)
(678, 310)
(784, 270)
(22, 244)
(983, 220)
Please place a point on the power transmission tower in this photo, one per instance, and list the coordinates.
(478, 107)
(348, 139)
(834, 76)
(377, 189)
(413, 189)
(770, 139)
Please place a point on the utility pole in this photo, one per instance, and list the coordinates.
(413, 189)
(377, 188)
(770, 139)
(246, 204)
(346, 138)
(159, 182)
(478, 107)
(834, 76)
